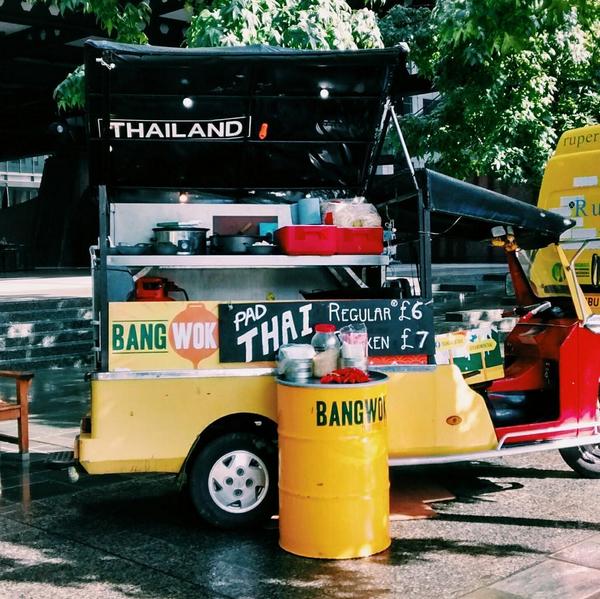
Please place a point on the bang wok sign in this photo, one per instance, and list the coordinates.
(163, 335)
(192, 335)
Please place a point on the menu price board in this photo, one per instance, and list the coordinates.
(254, 332)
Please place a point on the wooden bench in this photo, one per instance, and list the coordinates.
(18, 410)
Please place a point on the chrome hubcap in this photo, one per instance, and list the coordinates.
(590, 453)
(238, 482)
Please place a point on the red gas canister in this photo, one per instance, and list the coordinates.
(152, 289)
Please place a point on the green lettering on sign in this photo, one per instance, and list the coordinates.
(346, 413)
(146, 336)
(160, 336)
(132, 339)
(349, 413)
(118, 343)
(321, 413)
(334, 418)
(371, 407)
(358, 412)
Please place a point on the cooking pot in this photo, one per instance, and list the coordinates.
(232, 244)
(187, 240)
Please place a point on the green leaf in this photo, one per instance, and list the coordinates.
(512, 76)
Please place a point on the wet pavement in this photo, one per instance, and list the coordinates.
(523, 527)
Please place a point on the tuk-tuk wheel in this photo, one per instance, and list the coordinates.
(233, 481)
(585, 459)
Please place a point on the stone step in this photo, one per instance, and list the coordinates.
(24, 329)
(45, 333)
(475, 315)
(69, 361)
(504, 326)
(29, 315)
(28, 353)
(472, 318)
(457, 287)
(30, 304)
(494, 276)
(46, 339)
(440, 297)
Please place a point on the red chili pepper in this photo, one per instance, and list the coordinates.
(346, 376)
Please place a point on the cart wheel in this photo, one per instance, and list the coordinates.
(585, 459)
(233, 481)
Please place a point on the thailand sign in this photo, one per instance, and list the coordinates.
(207, 129)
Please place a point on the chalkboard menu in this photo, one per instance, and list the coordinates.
(254, 332)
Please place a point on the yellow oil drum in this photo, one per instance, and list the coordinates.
(333, 471)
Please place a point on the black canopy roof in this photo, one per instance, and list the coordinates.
(264, 118)
(466, 211)
(480, 209)
(239, 118)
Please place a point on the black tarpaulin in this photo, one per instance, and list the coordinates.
(238, 118)
(481, 209)
(466, 211)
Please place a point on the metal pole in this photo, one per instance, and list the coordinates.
(103, 205)
(376, 151)
(424, 247)
(102, 278)
(411, 168)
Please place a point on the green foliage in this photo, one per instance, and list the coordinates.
(415, 27)
(512, 76)
(70, 93)
(123, 21)
(305, 24)
(297, 24)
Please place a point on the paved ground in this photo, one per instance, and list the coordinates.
(525, 527)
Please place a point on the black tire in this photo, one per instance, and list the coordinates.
(585, 460)
(233, 481)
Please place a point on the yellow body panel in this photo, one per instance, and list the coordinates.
(570, 187)
(336, 507)
(419, 406)
(150, 425)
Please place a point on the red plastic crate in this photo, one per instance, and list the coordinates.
(359, 240)
(303, 240)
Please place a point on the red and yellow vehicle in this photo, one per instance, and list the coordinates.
(226, 137)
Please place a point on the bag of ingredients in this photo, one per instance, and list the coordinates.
(352, 212)
(354, 340)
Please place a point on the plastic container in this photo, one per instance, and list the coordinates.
(325, 338)
(333, 471)
(298, 370)
(309, 211)
(325, 362)
(327, 345)
(359, 240)
(294, 361)
(355, 342)
(305, 240)
(294, 214)
(267, 230)
(361, 363)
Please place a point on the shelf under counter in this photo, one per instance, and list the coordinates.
(219, 261)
